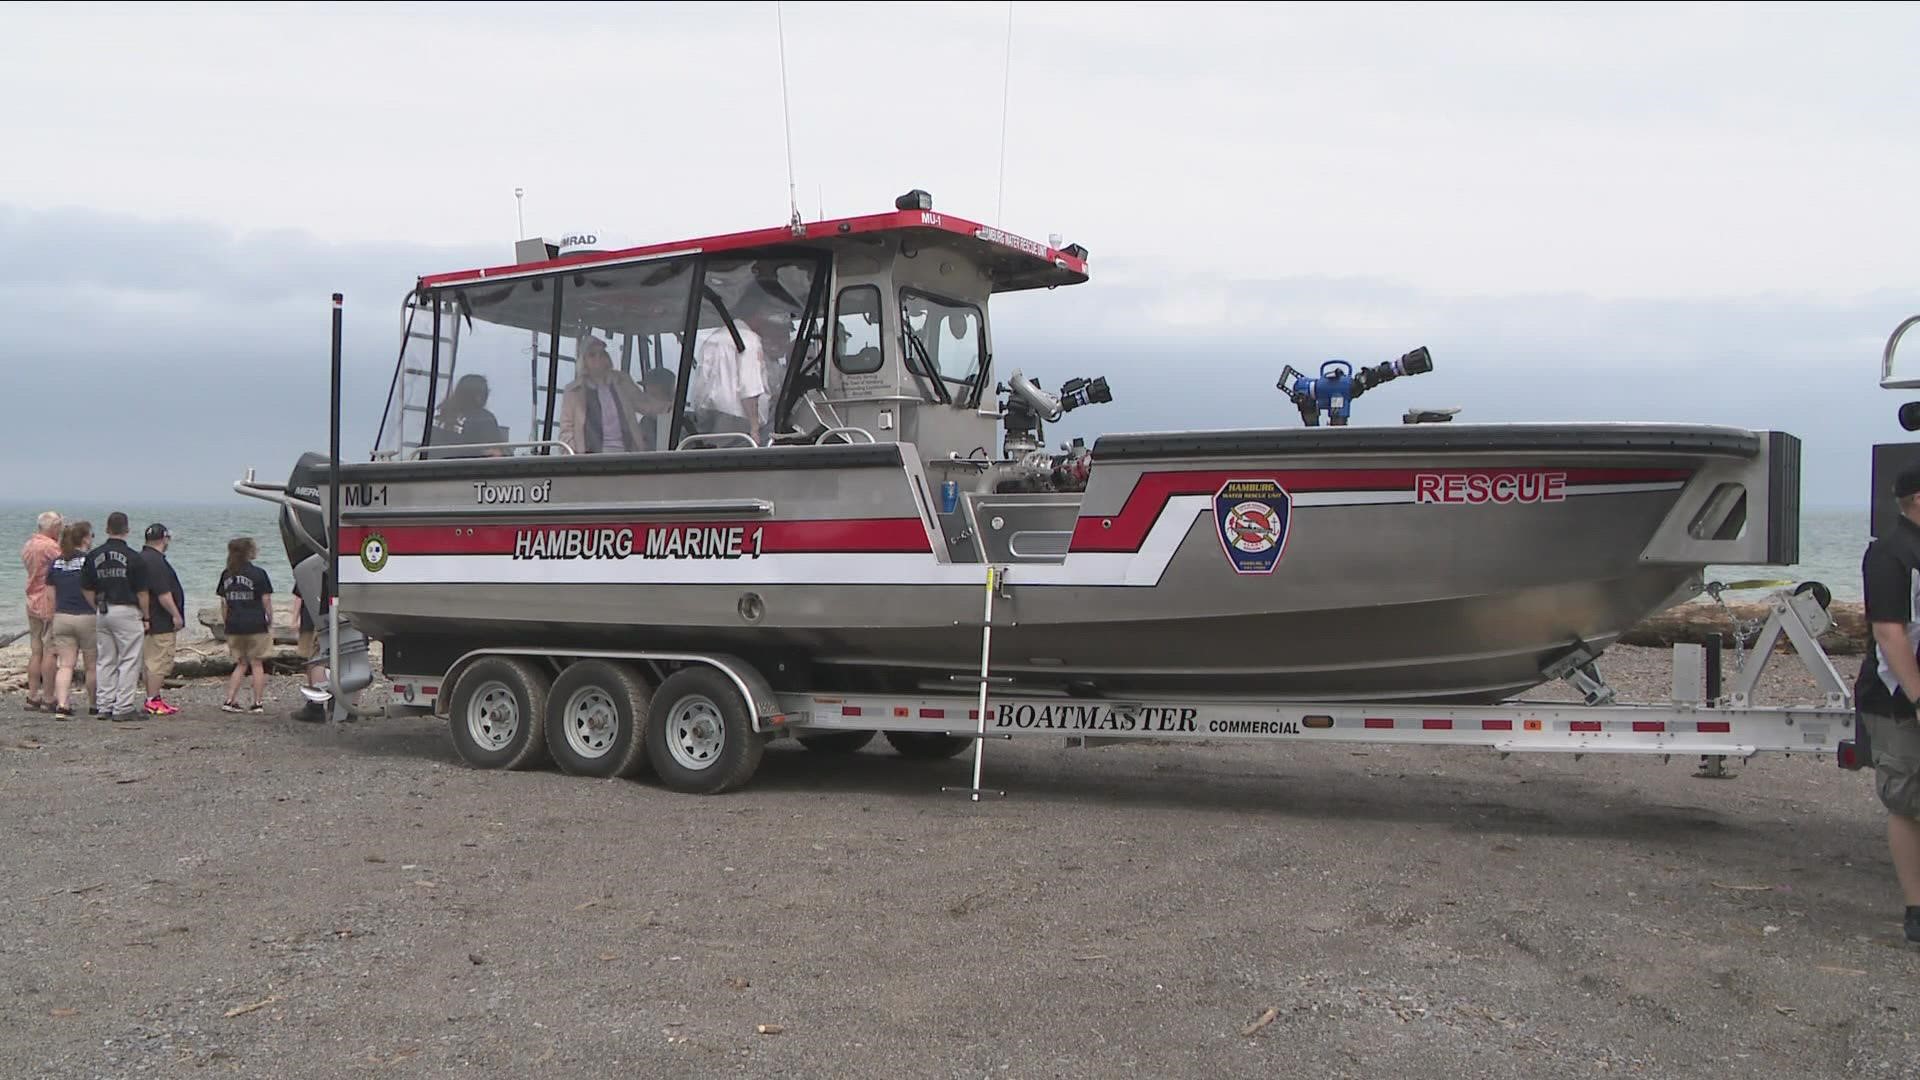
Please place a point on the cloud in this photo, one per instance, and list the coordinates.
(164, 358)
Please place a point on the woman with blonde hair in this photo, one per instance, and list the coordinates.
(246, 610)
(70, 636)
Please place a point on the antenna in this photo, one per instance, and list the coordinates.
(786, 114)
(518, 215)
(1006, 88)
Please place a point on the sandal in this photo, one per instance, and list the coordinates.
(61, 712)
(35, 705)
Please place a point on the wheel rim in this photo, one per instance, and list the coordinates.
(493, 716)
(590, 722)
(696, 733)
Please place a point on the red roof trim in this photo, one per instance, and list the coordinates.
(819, 230)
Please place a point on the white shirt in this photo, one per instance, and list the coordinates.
(726, 379)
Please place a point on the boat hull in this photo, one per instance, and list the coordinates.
(1395, 574)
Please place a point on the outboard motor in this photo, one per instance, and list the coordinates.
(1338, 384)
(303, 533)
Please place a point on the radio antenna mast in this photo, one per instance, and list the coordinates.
(786, 114)
(1006, 89)
(519, 214)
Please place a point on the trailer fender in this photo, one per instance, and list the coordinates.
(768, 717)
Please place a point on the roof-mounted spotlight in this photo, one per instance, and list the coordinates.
(1075, 251)
(914, 200)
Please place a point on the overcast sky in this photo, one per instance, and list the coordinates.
(1587, 213)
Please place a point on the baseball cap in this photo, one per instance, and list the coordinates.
(157, 531)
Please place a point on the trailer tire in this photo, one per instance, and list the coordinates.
(498, 713)
(700, 737)
(925, 745)
(597, 720)
(837, 742)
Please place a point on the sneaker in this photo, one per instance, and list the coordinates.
(1913, 924)
(61, 712)
(125, 717)
(157, 706)
(230, 706)
(257, 708)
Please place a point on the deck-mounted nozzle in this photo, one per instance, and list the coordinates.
(1029, 408)
(1333, 391)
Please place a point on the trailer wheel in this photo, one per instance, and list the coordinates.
(699, 737)
(925, 745)
(597, 720)
(837, 742)
(498, 711)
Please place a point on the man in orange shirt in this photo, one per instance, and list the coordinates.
(41, 549)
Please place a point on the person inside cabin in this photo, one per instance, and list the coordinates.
(600, 412)
(465, 421)
(729, 383)
(776, 342)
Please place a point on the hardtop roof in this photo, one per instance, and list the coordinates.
(1014, 262)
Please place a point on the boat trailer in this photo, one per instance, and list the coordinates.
(704, 718)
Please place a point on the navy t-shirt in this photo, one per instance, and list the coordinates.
(114, 572)
(245, 594)
(162, 579)
(69, 592)
(1890, 579)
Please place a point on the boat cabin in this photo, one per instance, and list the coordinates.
(849, 330)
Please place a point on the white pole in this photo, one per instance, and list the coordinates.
(519, 213)
(786, 114)
(986, 653)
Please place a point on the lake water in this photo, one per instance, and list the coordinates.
(198, 554)
(1830, 547)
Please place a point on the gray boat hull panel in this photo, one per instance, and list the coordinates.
(1396, 574)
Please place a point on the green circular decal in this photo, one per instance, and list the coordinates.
(373, 552)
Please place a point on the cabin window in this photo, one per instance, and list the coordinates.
(477, 385)
(943, 338)
(856, 347)
(752, 317)
(619, 362)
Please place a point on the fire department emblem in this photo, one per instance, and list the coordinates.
(1252, 517)
(373, 552)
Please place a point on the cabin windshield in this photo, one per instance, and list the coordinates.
(601, 360)
(946, 337)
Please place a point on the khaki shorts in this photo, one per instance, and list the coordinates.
(305, 648)
(157, 654)
(1896, 762)
(250, 646)
(72, 636)
(37, 630)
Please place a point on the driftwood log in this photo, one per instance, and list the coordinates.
(1695, 623)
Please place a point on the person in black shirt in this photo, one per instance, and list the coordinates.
(246, 610)
(167, 613)
(72, 633)
(1889, 685)
(465, 422)
(116, 580)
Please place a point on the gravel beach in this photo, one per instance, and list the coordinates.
(251, 896)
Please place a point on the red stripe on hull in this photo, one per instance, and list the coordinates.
(1127, 530)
